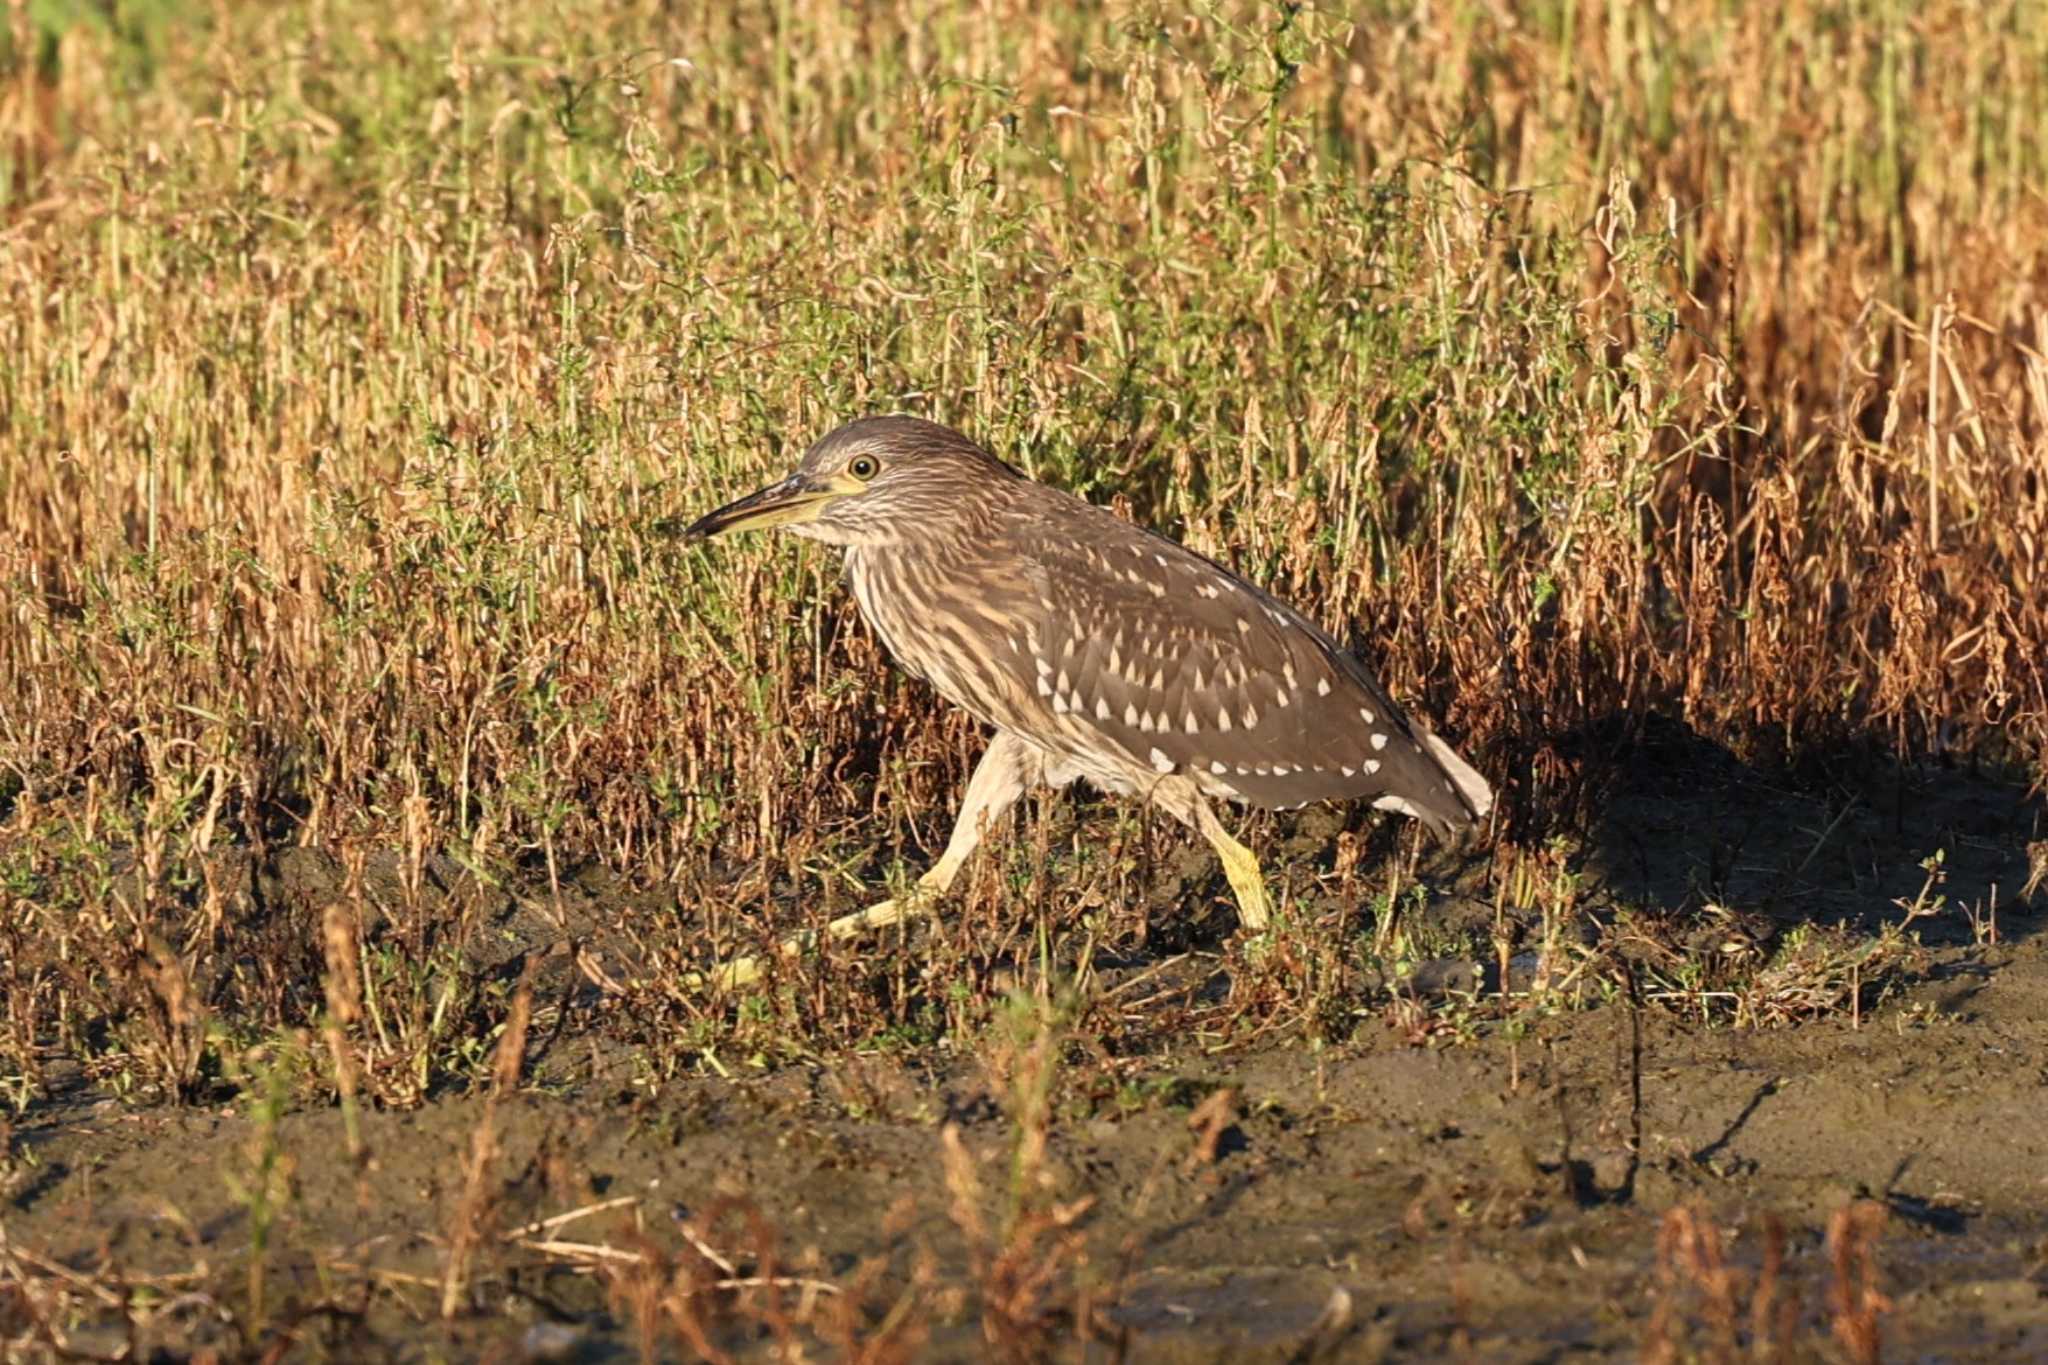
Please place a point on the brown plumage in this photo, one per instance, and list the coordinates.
(1096, 648)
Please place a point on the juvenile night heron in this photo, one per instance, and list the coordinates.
(1096, 650)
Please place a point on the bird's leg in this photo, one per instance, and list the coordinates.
(1254, 910)
(999, 779)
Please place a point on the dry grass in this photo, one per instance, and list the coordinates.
(351, 355)
(1588, 362)
(1711, 1309)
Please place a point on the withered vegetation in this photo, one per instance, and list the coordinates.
(1605, 373)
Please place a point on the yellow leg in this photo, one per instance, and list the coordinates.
(999, 779)
(918, 902)
(1254, 910)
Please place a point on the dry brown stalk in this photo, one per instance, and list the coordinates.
(1026, 1277)
(466, 1229)
(180, 1018)
(1855, 1304)
(1208, 1122)
(343, 987)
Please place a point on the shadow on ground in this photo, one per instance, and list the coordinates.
(1689, 824)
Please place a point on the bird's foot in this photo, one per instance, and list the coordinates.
(744, 971)
(1240, 865)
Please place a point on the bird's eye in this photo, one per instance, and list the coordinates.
(863, 467)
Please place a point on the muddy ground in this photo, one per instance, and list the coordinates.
(1478, 1192)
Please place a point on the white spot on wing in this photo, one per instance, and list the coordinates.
(1372, 765)
(1322, 687)
(1161, 761)
(1222, 720)
(1251, 717)
(1280, 695)
(1218, 767)
(1145, 723)
(1059, 700)
(1379, 740)
(1205, 590)
(1365, 715)
(1130, 714)
(1350, 772)
(1188, 723)
(1102, 708)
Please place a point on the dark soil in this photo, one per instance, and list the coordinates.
(1480, 1196)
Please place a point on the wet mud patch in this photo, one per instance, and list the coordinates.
(1391, 1202)
(1559, 1126)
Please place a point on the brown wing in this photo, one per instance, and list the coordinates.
(1188, 668)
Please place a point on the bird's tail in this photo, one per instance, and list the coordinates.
(1474, 797)
(1472, 788)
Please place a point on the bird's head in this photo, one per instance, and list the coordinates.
(877, 481)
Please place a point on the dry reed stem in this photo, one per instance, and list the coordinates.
(343, 987)
(1855, 1304)
(466, 1228)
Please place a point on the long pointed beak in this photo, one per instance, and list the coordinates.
(789, 503)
